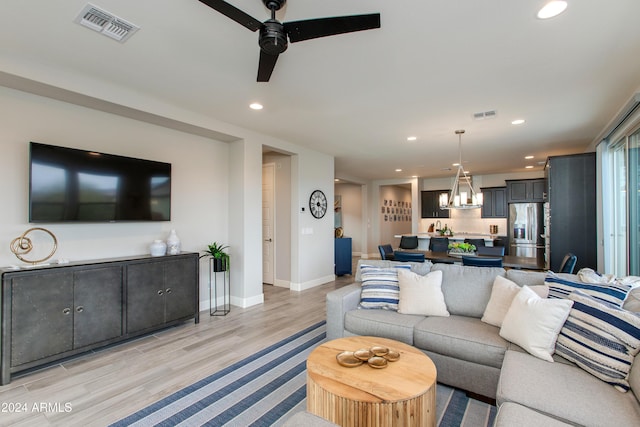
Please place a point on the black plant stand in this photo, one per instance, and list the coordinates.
(214, 308)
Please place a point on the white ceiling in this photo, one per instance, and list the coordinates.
(358, 96)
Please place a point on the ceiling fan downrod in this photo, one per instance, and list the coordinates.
(273, 37)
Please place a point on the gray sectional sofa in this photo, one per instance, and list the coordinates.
(471, 355)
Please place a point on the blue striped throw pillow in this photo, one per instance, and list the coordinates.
(600, 338)
(561, 286)
(380, 288)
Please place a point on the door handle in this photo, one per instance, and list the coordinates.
(268, 240)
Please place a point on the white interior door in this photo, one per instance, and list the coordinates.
(268, 223)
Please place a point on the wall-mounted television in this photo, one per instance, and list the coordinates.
(71, 185)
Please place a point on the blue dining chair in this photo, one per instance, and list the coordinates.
(568, 263)
(408, 242)
(481, 261)
(439, 244)
(386, 252)
(408, 256)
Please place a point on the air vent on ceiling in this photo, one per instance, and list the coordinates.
(105, 23)
(491, 114)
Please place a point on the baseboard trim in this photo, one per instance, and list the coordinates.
(312, 283)
(282, 283)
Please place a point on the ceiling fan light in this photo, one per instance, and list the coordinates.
(551, 9)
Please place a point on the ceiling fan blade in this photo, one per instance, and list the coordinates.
(267, 64)
(322, 27)
(234, 13)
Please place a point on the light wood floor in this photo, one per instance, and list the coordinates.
(100, 388)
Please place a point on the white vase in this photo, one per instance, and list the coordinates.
(158, 248)
(173, 243)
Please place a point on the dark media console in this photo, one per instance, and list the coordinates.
(60, 310)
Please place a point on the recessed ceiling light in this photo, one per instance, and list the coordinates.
(551, 9)
(528, 157)
(517, 122)
(336, 180)
(398, 170)
(528, 167)
(256, 106)
(412, 138)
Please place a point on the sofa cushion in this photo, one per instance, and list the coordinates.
(600, 338)
(534, 323)
(461, 337)
(564, 391)
(556, 357)
(421, 294)
(382, 323)
(632, 303)
(502, 295)
(467, 289)
(561, 286)
(634, 377)
(380, 287)
(511, 414)
(524, 277)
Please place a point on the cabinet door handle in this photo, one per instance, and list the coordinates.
(66, 311)
(160, 292)
(168, 290)
(79, 309)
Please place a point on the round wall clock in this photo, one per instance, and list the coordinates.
(318, 204)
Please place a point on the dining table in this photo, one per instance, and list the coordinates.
(509, 261)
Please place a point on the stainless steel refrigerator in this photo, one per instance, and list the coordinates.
(526, 230)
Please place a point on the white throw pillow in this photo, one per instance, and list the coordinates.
(533, 323)
(502, 295)
(421, 294)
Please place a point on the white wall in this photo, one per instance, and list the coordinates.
(216, 192)
(394, 221)
(315, 250)
(199, 179)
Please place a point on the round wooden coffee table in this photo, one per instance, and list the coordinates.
(402, 394)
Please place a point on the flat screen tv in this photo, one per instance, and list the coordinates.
(71, 185)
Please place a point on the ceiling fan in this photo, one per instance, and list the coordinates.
(274, 34)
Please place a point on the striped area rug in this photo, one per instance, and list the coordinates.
(268, 387)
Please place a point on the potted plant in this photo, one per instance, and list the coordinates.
(220, 257)
(459, 249)
(446, 231)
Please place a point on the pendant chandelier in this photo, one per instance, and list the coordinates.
(462, 195)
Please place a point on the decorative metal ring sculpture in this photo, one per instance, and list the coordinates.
(22, 245)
